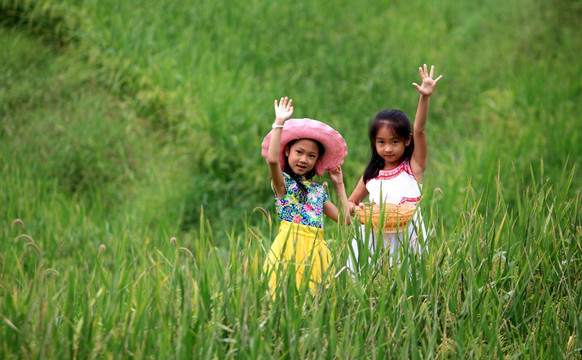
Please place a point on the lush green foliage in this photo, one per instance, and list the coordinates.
(133, 193)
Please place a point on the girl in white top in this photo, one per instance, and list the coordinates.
(394, 173)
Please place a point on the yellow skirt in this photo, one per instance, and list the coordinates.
(301, 247)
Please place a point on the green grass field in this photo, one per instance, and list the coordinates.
(135, 208)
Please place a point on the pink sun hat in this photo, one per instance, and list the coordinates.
(335, 146)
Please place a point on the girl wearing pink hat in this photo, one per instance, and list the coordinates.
(296, 150)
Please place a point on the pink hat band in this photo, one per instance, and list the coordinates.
(335, 146)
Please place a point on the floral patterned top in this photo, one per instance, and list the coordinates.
(297, 208)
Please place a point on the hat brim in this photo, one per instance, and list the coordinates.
(335, 146)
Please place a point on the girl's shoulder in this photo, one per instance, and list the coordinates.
(289, 180)
(406, 166)
(314, 185)
(317, 191)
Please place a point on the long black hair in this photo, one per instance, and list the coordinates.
(311, 173)
(398, 122)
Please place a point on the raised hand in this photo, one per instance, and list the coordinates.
(283, 109)
(336, 175)
(428, 83)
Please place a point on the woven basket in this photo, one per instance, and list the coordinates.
(395, 217)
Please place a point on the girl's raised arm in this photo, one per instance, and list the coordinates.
(283, 111)
(419, 156)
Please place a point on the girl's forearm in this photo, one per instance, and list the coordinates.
(341, 192)
(274, 146)
(359, 193)
(343, 199)
(421, 114)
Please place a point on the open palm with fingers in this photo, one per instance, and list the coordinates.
(428, 83)
(283, 109)
(336, 175)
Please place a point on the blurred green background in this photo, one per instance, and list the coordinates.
(147, 112)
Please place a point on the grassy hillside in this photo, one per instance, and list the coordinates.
(131, 174)
(202, 79)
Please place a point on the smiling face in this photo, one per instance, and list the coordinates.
(302, 156)
(390, 146)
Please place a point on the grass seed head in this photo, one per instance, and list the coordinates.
(18, 222)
